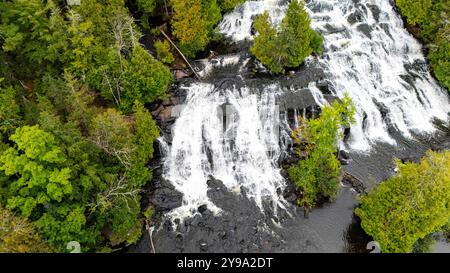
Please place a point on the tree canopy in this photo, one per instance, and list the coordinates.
(319, 173)
(410, 205)
(76, 137)
(288, 46)
(193, 22)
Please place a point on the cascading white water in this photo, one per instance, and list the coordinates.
(244, 151)
(238, 24)
(371, 66)
(240, 152)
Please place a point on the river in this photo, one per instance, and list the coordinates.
(222, 162)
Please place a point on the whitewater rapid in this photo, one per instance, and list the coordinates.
(231, 135)
(370, 55)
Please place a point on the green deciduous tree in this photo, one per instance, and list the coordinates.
(319, 173)
(33, 30)
(131, 144)
(34, 162)
(410, 205)
(42, 187)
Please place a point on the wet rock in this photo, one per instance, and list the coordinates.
(167, 102)
(297, 99)
(320, 7)
(375, 11)
(334, 48)
(344, 154)
(165, 197)
(353, 181)
(346, 133)
(157, 111)
(365, 29)
(385, 27)
(179, 74)
(384, 111)
(326, 87)
(175, 100)
(166, 114)
(355, 17)
(332, 29)
(290, 193)
(416, 66)
(202, 209)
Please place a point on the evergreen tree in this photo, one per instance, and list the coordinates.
(18, 235)
(289, 46)
(410, 205)
(193, 22)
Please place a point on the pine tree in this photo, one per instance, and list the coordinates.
(289, 46)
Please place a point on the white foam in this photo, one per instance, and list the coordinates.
(244, 154)
(371, 69)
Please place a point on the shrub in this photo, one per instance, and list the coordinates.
(163, 51)
(319, 173)
(410, 205)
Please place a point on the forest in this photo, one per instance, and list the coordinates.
(77, 135)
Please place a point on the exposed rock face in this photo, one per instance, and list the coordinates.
(240, 228)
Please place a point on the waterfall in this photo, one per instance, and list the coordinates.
(238, 24)
(370, 55)
(231, 135)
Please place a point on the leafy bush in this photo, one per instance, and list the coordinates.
(289, 46)
(163, 51)
(410, 205)
(319, 173)
(416, 11)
